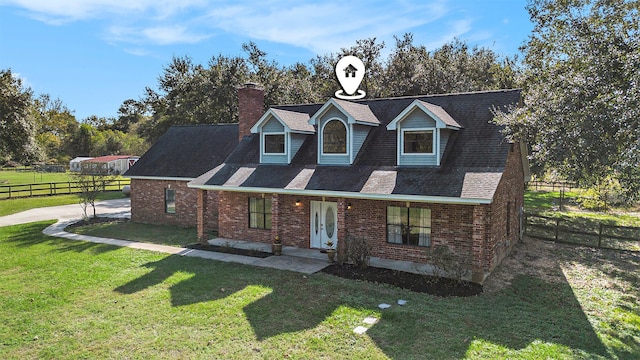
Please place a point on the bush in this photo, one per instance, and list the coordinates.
(359, 251)
(446, 263)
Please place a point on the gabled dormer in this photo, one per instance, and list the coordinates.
(342, 128)
(282, 133)
(423, 130)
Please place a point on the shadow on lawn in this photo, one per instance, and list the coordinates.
(529, 310)
(280, 311)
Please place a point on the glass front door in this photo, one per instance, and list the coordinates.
(324, 224)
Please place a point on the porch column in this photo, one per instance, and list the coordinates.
(341, 249)
(201, 216)
(478, 238)
(275, 216)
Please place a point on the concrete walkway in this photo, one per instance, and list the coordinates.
(291, 262)
(111, 208)
(307, 261)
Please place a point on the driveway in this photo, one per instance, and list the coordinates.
(112, 208)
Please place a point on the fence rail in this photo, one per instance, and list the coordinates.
(551, 185)
(583, 232)
(53, 188)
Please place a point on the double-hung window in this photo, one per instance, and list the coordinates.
(259, 213)
(410, 226)
(170, 201)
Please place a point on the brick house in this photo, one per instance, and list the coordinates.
(407, 174)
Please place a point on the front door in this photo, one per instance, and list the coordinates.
(324, 224)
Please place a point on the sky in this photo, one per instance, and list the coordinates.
(95, 54)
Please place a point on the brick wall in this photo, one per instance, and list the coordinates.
(147, 203)
(510, 194)
(452, 225)
(250, 108)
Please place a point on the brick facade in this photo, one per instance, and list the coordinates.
(477, 234)
(148, 206)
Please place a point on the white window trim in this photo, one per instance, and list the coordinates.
(433, 146)
(347, 139)
(263, 150)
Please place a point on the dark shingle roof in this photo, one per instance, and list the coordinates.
(471, 166)
(187, 151)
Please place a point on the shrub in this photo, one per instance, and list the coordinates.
(447, 263)
(358, 250)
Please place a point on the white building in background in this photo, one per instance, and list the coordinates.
(74, 165)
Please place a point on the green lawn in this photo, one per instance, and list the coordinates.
(546, 203)
(12, 206)
(10, 177)
(156, 234)
(65, 299)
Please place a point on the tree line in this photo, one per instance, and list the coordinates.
(579, 78)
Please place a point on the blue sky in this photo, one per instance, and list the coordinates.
(94, 54)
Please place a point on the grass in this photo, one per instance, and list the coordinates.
(156, 234)
(546, 203)
(68, 299)
(12, 206)
(32, 177)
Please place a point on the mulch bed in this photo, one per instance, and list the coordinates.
(97, 220)
(230, 250)
(405, 280)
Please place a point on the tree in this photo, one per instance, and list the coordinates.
(17, 126)
(55, 125)
(581, 110)
(90, 185)
(454, 67)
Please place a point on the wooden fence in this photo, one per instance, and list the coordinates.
(551, 185)
(583, 232)
(53, 188)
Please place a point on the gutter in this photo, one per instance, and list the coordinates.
(348, 195)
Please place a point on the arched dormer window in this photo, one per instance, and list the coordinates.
(334, 138)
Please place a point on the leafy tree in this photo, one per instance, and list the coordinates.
(454, 67)
(581, 110)
(17, 126)
(83, 142)
(91, 185)
(56, 126)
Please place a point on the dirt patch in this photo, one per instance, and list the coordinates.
(231, 250)
(530, 257)
(410, 281)
(97, 220)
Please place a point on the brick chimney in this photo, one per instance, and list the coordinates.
(250, 107)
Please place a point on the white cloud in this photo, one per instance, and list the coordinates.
(62, 11)
(321, 27)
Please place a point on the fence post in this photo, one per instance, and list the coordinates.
(30, 189)
(557, 228)
(9, 192)
(561, 198)
(69, 183)
(600, 236)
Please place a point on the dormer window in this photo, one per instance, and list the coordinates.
(274, 144)
(418, 142)
(423, 132)
(342, 128)
(282, 133)
(334, 137)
